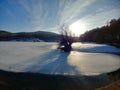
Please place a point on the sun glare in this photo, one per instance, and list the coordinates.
(77, 28)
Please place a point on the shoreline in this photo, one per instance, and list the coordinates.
(36, 81)
(112, 86)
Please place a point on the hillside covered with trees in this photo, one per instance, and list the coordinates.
(109, 34)
(27, 36)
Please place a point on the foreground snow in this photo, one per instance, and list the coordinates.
(44, 58)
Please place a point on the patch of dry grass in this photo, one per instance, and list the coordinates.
(113, 86)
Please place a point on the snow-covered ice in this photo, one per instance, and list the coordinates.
(97, 48)
(43, 57)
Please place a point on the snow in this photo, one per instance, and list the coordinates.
(97, 48)
(42, 57)
(27, 40)
(13, 53)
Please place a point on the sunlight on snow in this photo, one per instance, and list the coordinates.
(44, 58)
(93, 63)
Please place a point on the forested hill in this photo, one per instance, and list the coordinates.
(109, 34)
(27, 36)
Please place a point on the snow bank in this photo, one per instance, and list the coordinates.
(98, 48)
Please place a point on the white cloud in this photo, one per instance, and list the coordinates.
(100, 19)
(43, 16)
(34, 8)
(72, 9)
(39, 12)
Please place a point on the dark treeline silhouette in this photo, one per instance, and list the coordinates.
(42, 35)
(109, 34)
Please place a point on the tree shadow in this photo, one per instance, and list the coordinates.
(53, 62)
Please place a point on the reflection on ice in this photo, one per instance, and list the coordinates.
(93, 63)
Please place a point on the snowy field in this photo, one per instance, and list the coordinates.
(43, 57)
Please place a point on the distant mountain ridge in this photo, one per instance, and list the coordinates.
(36, 36)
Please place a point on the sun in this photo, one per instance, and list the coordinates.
(77, 28)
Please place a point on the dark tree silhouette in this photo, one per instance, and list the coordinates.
(108, 34)
(66, 39)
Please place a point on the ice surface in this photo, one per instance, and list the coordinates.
(43, 57)
(92, 47)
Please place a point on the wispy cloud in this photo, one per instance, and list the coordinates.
(34, 12)
(42, 13)
(72, 9)
(51, 14)
(100, 19)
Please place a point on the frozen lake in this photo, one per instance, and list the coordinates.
(86, 67)
(44, 58)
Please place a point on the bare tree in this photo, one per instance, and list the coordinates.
(66, 39)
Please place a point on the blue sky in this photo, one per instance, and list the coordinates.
(50, 15)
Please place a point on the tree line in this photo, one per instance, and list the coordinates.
(108, 34)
